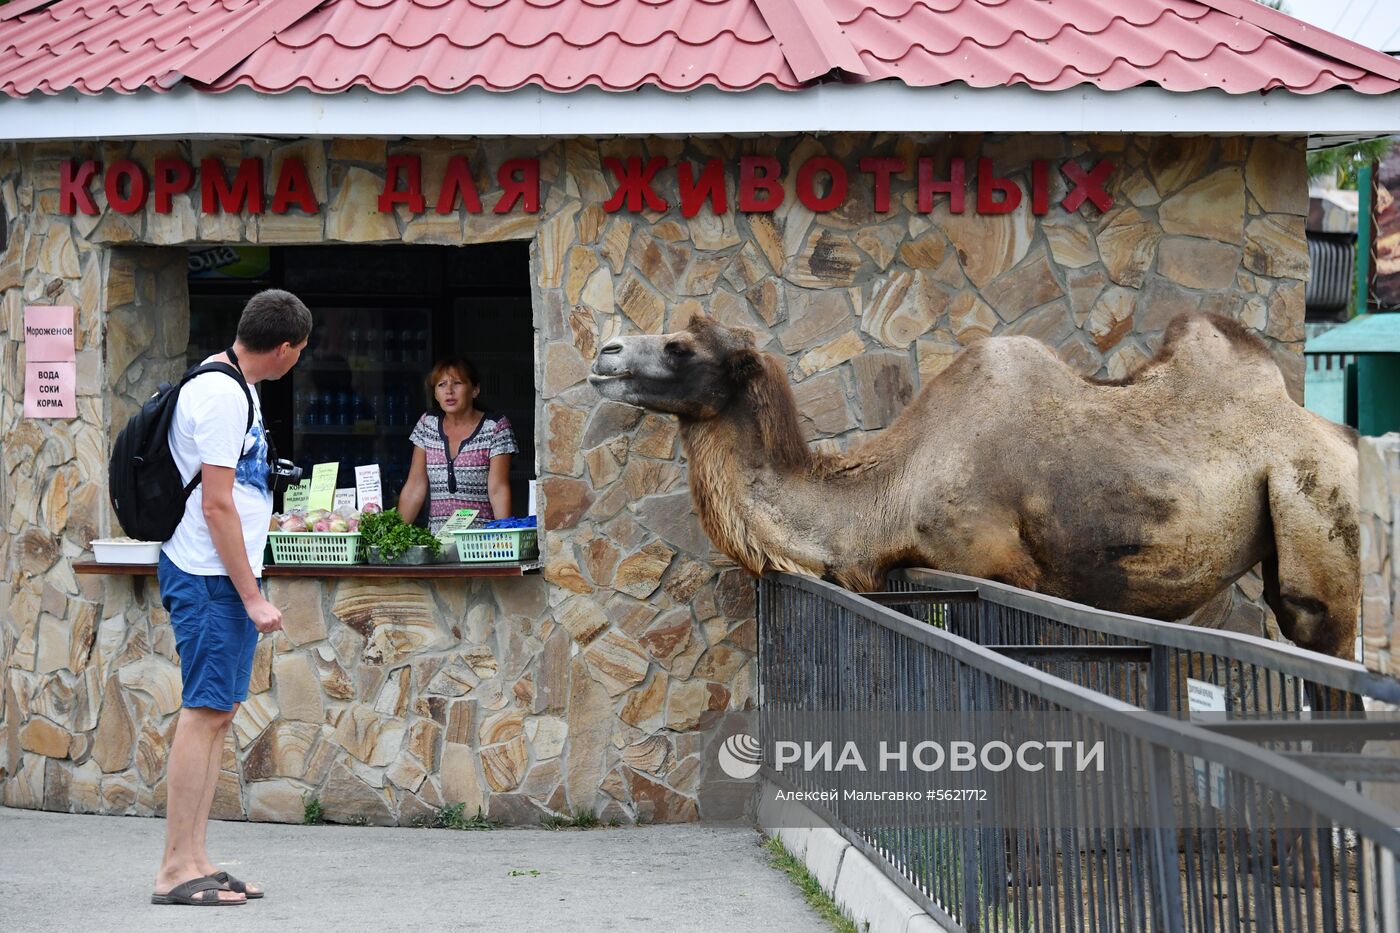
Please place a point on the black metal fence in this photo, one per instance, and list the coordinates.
(1272, 844)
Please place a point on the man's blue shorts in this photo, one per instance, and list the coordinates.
(213, 636)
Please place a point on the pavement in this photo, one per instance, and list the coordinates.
(77, 872)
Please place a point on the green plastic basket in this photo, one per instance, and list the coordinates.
(496, 545)
(316, 547)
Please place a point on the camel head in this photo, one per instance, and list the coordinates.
(693, 373)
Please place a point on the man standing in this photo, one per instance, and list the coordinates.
(209, 580)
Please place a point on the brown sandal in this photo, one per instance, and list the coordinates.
(231, 883)
(190, 893)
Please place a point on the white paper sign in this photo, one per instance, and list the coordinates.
(50, 376)
(1204, 697)
(532, 499)
(367, 486)
(344, 499)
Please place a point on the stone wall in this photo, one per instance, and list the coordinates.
(1380, 543)
(585, 689)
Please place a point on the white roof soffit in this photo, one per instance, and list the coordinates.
(885, 106)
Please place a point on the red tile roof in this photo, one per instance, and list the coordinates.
(125, 45)
(1181, 45)
(563, 45)
(1238, 46)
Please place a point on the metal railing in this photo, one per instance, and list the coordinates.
(1139, 846)
(1124, 656)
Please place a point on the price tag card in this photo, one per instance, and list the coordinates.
(460, 520)
(345, 499)
(296, 496)
(323, 485)
(367, 487)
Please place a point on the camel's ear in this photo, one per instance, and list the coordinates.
(745, 364)
(697, 322)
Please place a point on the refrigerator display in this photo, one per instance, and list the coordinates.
(356, 393)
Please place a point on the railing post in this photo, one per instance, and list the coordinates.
(1390, 892)
(1166, 869)
(761, 625)
(969, 682)
(1159, 665)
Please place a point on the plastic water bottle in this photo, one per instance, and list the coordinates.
(391, 409)
(421, 346)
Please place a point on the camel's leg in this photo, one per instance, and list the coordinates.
(1313, 582)
(1315, 590)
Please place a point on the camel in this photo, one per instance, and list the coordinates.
(1146, 495)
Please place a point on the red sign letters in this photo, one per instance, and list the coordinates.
(821, 184)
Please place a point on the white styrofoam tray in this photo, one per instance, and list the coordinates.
(108, 551)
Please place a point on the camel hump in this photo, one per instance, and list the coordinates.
(1209, 347)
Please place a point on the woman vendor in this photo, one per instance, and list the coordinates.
(461, 457)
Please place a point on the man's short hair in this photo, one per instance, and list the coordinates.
(272, 318)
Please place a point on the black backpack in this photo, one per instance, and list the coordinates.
(148, 493)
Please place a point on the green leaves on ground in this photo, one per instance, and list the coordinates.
(581, 819)
(312, 811)
(393, 536)
(453, 816)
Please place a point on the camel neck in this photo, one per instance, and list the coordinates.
(771, 519)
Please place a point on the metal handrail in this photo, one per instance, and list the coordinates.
(1286, 659)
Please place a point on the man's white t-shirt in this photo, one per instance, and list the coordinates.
(208, 427)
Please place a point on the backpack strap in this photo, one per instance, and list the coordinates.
(232, 373)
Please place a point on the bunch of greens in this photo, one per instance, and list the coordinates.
(392, 535)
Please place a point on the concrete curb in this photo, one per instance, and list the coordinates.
(858, 886)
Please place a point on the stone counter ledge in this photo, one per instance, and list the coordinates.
(388, 571)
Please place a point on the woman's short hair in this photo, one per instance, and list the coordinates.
(459, 365)
(271, 318)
